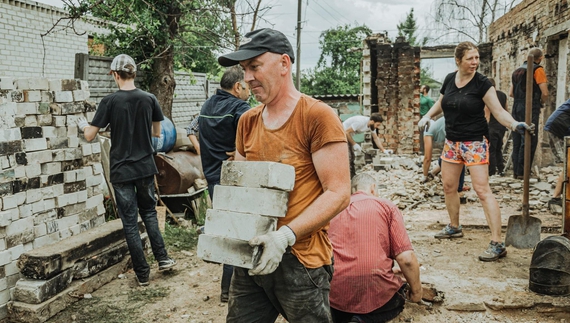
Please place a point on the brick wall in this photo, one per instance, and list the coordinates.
(22, 52)
(391, 75)
(534, 23)
(49, 175)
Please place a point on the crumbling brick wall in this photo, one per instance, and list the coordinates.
(391, 87)
(534, 23)
(49, 175)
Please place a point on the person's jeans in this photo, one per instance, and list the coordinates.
(228, 269)
(300, 294)
(496, 164)
(387, 312)
(134, 198)
(518, 140)
(461, 177)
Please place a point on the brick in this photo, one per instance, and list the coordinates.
(80, 95)
(59, 121)
(32, 96)
(258, 174)
(30, 121)
(94, 201)
(47, 96)
(8, 109)
(13, 201)
(241, 226)
(45, 120)
(33, 195)
(35, 144)
(66, 199)
(262, 201)
(55, 85)
(51, 168)
(38, 84)
(86, 149)
(33, 170)
(6, 217)
(20, 226)
(35, 291)
(5, 257)
(40, 156)
(10, 134)
(26, 108)
(93, 180)
(62, 96)
(6, 83)
(22, 84)
(48, 131)
(46, 240)
(227, 251)
(11, 147)
(31, 132)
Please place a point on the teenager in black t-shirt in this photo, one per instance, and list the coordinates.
(464, 95)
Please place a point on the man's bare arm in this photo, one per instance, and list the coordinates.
(348, 134)
(156, 129)
(377, 140)
(411, 269)
(544, 92)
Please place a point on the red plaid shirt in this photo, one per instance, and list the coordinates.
(366, 237)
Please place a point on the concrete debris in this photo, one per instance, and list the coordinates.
(400, 179)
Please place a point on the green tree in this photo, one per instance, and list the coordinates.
(408, 29)
(163, 35)
(338, 67)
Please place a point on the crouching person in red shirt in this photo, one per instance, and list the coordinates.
(367, 237)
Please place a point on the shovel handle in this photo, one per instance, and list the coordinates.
(527, 135)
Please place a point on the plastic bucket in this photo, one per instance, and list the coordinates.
(167, 138)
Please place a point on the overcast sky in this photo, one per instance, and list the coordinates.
(320, 15)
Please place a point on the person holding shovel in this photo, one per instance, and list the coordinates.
(463, 98)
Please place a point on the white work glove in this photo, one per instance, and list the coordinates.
(357, 148)
(388, 151)
(520, 127)
(82, 123)
(274, 245)
(424, 123)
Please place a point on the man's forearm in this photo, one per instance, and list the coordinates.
(410, 269)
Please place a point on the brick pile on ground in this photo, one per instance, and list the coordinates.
(247, 203)
(49, 175)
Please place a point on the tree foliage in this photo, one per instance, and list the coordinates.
(338, 67)
(460, 20)
(408, 29)
(164, 35)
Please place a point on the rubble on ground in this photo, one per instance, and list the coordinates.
(400, 179)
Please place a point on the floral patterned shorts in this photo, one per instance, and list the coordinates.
(466, 152)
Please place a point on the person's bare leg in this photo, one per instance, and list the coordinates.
(450, 176)
(427, 154)
(480, 181)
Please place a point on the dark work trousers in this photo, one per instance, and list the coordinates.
(496, 164)
(387, 312)
(518, 139)
(228, 269)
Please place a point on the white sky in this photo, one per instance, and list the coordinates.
(320, 15)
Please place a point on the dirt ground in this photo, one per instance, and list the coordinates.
(473, 291)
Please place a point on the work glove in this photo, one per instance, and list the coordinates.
(424, 123)
(520, 127)
(388, 151)
(274, 244)
(82, 123)
(357, 148)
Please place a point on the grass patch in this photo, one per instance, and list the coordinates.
(178, 238)
(147, 295)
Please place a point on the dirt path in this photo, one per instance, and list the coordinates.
(471, 288)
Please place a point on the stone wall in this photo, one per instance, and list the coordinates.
(50, 175)
(391, 76)
(23, 51)
(534, 23)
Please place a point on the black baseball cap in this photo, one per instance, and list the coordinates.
(256, 43)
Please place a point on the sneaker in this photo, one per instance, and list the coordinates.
(450, 232)
(143, 281)
(555, 201)
(494, 251)
(428, 178)
(166, 264)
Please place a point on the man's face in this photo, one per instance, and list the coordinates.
(423, 89)
(377, 125)
(263, 74)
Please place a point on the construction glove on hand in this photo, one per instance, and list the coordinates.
(82, 123)
(520, 127)
(356, 147)
(424, 123)
(274, 245)
(388, 151)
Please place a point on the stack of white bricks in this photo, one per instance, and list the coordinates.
(250, 199)
(49, 174)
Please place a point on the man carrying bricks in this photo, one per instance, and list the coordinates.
(367, 237)
(134, 116)
(293, 274)
(217, 125)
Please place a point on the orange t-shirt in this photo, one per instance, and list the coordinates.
(540, 76)
(312, 125)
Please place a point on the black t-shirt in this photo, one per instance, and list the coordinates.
(493, 123)
(217, 125)
(130, 114)
(464, 109)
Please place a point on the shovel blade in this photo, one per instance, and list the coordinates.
(523, 232)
